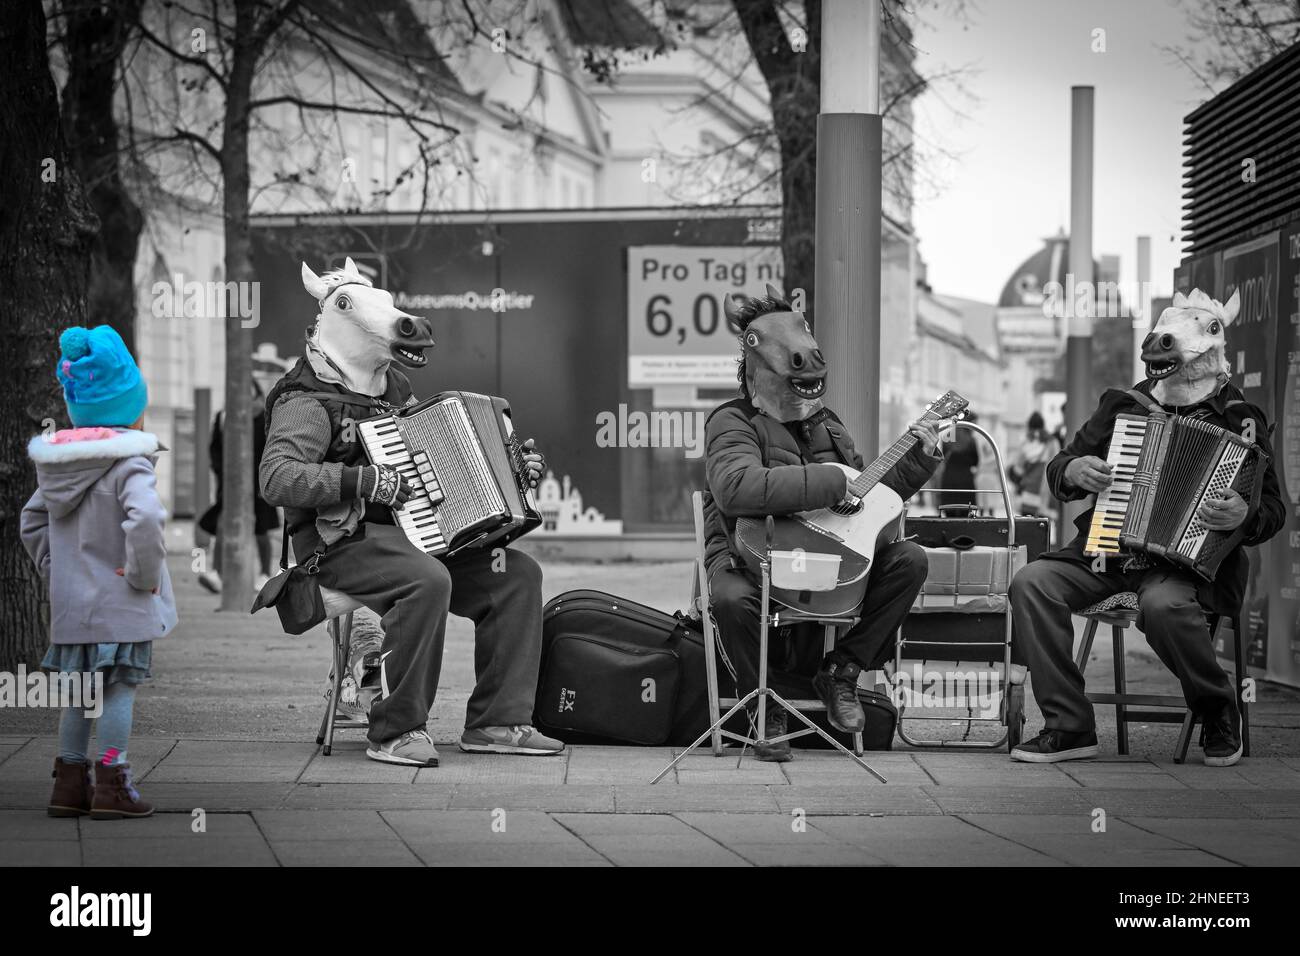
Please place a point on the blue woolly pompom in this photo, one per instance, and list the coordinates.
(75, 343)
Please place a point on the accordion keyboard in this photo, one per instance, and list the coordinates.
(1113, 501)
(419, 516)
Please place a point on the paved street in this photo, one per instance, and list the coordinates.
(228, 725)
(269, 803)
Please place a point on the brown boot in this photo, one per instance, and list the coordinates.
(115, 795)
(72, 789)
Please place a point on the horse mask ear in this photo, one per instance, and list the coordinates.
(774, 294)
(350, 266)
(313, 283)
(1232, 307)
(731, 309)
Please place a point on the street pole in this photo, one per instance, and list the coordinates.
(1142, 318)
(1078, 354)
(848, 215)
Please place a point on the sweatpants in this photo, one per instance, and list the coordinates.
(895, 580)
(1046, 591)
(499, 589)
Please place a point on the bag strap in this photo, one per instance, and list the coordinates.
(1146, 401)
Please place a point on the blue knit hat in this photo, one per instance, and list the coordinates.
(101, 383)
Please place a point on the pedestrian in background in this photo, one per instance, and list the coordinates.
(1028, 471)
(957, 476)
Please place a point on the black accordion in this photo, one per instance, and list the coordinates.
(1163, 468)
(459, 452)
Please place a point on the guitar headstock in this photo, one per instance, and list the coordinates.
(948, 405)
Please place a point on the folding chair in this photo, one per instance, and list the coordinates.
(767, 620)
(1120, 611)
(338, 613)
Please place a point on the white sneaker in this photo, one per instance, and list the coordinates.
(210, 580)
(413, 749)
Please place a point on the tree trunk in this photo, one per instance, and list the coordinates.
(95, 35)
(45, 234)
(236, 530)
(794, 88)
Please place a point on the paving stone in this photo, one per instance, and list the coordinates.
(590, 798)
(184, 797)
(999, 771)
(390, 852)
(168, 772)
(194, 850)
(488, 855)
(665, 797)
(356, 768)
(1172, 803)
(367, 796)
(35, 759)
(457, 767)
(1251, 774)
(624, 765)
(27, 794)
(1152, 778)
(840, 799)
(695, 850)
(418, 829)
(1011, 799)
(241, 753)
(343, 826)
(36, 825)
(945, 841)
(805, 854)
(731, 829)
(1248, 842)
(40, 852)
(218, 826)
(1265, 803)
(1072, 840)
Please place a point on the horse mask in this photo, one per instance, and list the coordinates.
(785, 373)
(360, 331)
(1185, 352)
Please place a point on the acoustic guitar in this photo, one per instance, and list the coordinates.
(853, 529)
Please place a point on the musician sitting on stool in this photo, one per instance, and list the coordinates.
(1187, 374)
(316, 467)
(767, 453)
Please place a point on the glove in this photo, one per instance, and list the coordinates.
(383, 485)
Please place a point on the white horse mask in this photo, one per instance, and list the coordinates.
(361, 331)
(1185, 353)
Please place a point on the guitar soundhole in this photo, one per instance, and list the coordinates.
(847, 509)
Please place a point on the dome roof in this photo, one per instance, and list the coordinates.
(1049, 264)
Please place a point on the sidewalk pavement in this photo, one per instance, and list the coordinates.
(241, 802)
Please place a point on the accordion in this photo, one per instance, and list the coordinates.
(1163, 468)
(459, 452)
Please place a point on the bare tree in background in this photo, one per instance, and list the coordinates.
(45, 236)
(777, 161)
(243, 61)
(1228, 40)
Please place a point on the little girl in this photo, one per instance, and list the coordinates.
(94, 527)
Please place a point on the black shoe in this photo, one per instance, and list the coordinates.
(837, 685)
(1222, 737)
(776, 727)
(1052, 746)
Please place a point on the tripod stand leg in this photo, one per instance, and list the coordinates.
(708, 733)
(825, 736)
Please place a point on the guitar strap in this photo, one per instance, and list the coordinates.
(802, 432)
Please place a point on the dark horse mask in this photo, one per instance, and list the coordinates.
(784, 371)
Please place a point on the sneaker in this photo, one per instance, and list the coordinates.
(520, 739)
(1223, 737)
(413, 749)
(1052, 746)
(778, 752)
(210, 580)
(837, 686)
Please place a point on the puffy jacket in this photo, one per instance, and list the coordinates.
(756, 466)
(95, 511)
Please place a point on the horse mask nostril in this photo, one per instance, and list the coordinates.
(406, 326)
(797, 360)
(1166, 341)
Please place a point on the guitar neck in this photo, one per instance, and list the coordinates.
(872, 474)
